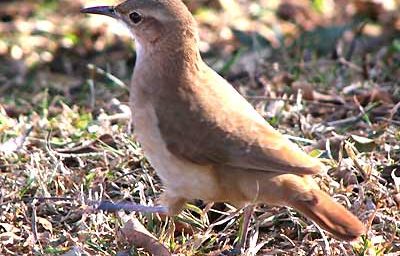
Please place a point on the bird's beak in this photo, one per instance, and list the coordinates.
(103, 10)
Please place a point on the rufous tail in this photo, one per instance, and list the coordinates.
(329, 215)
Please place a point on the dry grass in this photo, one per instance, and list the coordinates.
(66, 142)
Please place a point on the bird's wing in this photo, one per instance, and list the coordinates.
(227, 131)
(268, 152)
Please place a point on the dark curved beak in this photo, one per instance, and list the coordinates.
(102, 10)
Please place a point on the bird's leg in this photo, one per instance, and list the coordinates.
(173, 203)
(247, 213)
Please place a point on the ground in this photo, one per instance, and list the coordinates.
(325, 73)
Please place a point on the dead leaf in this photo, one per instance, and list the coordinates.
(306, 89)
(9, 228)
(363, 144)
(45, 224)
(14, 144)
(396, 179)
(309, 93)
(371, 9)
(9, 238)
(299, 13)
(375, 95)
(75, 251)
(135, 233)
(334, 143)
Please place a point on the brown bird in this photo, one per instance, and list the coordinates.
(203, 138)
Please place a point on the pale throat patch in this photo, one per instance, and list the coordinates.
(138, 46)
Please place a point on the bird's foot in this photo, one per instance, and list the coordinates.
(175, 203)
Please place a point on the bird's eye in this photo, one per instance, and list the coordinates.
(135, 17)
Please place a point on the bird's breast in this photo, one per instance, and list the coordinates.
(183, 178)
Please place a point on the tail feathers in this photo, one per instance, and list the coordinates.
(329, 215)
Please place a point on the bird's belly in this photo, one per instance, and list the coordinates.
(181, 178)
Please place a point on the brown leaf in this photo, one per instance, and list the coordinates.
(371, 9)
(9, 228)
(298, 12)
(9, 238)
(306, 89)
(282, 79)
(135, 233)
(45, 224)
(375, 95)
(363, 144)
(180, 227)
(309, 93)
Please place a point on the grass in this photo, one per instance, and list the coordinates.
(65, 136)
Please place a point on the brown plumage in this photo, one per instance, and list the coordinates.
(203, 138)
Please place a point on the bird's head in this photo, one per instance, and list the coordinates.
(151, 21)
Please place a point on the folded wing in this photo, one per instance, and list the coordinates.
(229, 131)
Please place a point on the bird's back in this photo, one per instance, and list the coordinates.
(209, 123)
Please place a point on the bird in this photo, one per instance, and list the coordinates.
(203, 138)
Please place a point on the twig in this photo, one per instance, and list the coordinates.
(388, 120)
(345, 60)
(33, 222)
(326, 248)
(247, 214)
(109, 206)
(352, 119)
(345, 121)
(324, 104)
(113, 78)
(92, 99)
(281, 235)
(353, 155)
(349, 64)
(294, 138)
(353, 43)
(55, 199)
(132, 207)
(394, 110)
(312, 250)
(127, 174)
(343, 250)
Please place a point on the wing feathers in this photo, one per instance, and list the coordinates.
(221, 128)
